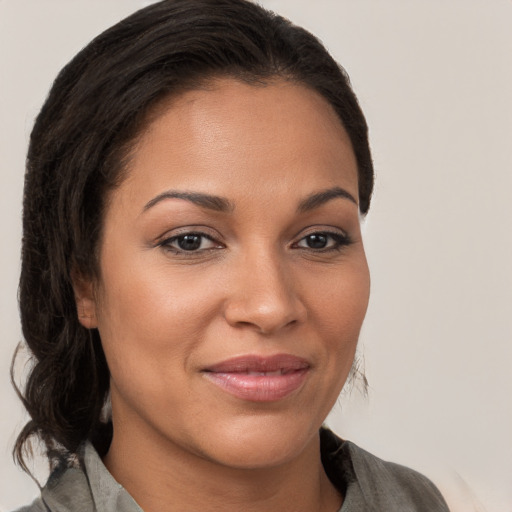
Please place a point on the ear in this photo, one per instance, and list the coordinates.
(85, 300)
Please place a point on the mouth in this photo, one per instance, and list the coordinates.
(259, 379)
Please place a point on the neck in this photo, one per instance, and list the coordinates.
(174, 479)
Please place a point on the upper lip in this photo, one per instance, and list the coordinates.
(257, 363)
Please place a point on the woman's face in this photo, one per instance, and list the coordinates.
(233, 276)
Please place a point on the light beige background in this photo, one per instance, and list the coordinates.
(435, 80)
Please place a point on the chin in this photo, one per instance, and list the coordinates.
(259, 442)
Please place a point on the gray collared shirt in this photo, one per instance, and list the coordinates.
(367, 483)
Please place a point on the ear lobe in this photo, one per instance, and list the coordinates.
(85, 300)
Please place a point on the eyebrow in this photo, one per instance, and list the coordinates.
(221, 204)
(317, 199)
(216, 203)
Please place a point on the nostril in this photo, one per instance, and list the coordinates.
(264, 322)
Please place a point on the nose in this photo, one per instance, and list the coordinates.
(263, 295)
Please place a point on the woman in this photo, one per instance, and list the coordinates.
(193, 278)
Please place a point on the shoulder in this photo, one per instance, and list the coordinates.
(67, 490)
(36, 506)
(370, 483)
(386, 482)
(86, 487)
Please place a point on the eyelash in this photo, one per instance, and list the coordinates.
(340, 242)
(166, 244)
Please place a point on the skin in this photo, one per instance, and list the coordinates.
(256, 288)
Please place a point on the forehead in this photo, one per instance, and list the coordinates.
(235, 134)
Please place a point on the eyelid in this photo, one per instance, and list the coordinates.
(194, 229)
(341, 238)
(203, 236)
(325, 229)
(167, 240)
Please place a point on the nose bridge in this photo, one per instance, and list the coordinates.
(264, 293)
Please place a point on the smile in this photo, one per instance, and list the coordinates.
(259, 379)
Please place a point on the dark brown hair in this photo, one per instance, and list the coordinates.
(94, 112)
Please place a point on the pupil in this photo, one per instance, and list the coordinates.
(189, 242)
(317, 241)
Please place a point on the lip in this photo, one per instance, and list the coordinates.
(259, 378)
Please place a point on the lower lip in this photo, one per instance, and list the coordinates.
(258, 388)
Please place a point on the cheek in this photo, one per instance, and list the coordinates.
(151, 326)
(149, 315)
(340, 300)
(339, 313)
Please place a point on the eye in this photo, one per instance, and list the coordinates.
(324, 241)
(189, 242)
